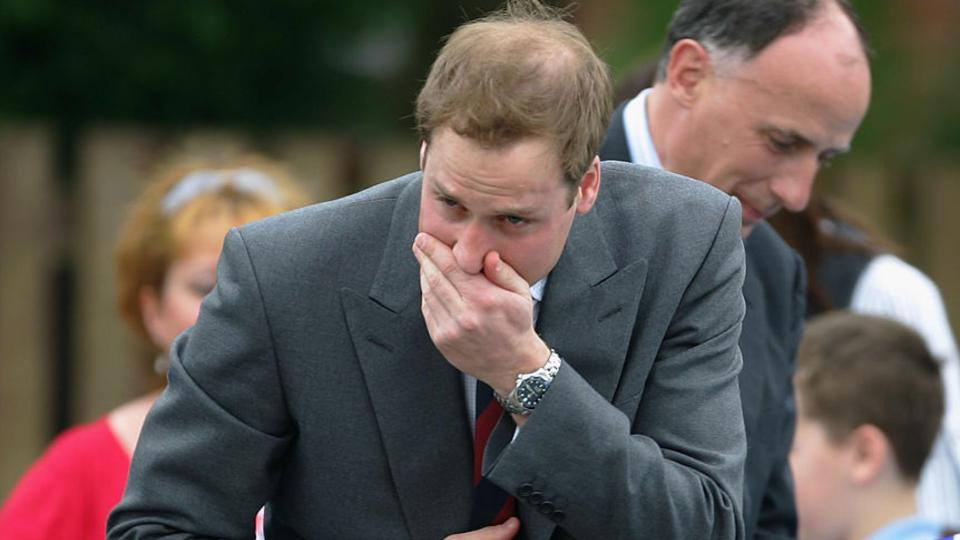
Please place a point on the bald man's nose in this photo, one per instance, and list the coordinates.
(792, 188)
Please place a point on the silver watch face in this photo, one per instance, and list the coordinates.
(531, 390)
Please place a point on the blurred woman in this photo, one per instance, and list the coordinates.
(166, 263)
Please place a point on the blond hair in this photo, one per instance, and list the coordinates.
(183, 197)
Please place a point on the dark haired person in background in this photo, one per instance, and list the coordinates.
(751, 96)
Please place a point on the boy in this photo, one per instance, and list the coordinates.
(869, 402)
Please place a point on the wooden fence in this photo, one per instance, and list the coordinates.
(65, 356)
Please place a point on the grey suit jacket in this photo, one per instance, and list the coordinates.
(774, 290)
(309, 382)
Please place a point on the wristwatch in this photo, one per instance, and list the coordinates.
(530, 387)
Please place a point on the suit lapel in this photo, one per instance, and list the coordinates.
(415, 393)
(590, 306)
(614, 146)
(588, 314)
(756, 346)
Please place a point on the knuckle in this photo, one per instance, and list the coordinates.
(469, 323)
(485, 301)
(433, 280)
(447, 267)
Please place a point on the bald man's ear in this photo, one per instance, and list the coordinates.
(688, 69)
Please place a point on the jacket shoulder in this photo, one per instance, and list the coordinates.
(350, 232)
(654, 196)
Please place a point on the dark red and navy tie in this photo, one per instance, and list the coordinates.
(491, 505)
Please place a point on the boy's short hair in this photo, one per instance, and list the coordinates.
(857, 369)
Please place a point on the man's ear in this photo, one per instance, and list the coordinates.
(423, 154)
(589, 187)
(870, 454)
(689, 66)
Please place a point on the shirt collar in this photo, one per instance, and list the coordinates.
(910, 528)
(536, 290)
(636, 127)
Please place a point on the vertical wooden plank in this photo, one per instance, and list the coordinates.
(215, 144)
(390, 158)
(939, 223)
(28, 247)
(322, 163)
(875, 195)
(113, 163)
(334, 166)
(868, 191)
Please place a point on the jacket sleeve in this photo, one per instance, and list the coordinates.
(665, 459)
(209, 455)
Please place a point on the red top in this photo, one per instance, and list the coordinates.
(71, 489)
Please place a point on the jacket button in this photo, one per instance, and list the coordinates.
(557, 515)
(535, 497)
(546, 508)
(525, 489)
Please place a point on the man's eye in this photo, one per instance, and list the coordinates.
(447, 201)
(514, 220)
(781, 145)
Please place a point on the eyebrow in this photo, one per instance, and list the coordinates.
(520, 211)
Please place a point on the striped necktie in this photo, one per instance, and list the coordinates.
(491, 505)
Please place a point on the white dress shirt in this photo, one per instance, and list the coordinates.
(889, 287)
(637, 131)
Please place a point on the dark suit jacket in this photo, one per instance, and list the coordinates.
(310, 382)
(774, 291)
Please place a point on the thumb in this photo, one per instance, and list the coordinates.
(505, 531)
(503, 275)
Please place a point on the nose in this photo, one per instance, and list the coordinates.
(793, 186)
(470, 248)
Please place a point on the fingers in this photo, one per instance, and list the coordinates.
(439, 253)
(439, 293)
(505, 531)
(503, 275)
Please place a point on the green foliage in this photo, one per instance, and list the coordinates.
(282, 62)
(358, 65)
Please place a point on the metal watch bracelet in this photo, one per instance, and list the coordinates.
(530, 387)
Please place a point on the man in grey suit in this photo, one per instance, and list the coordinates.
(332, 371)
(751, 96)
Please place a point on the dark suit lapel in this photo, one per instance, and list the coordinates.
(415, 393)
(755, 346)
(614, 146)
(588, 312)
